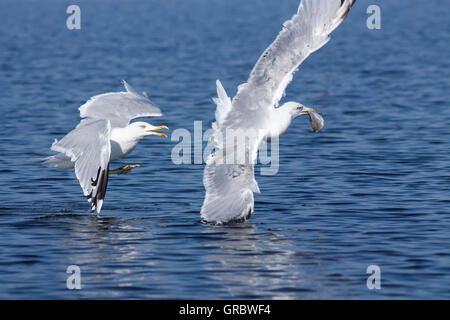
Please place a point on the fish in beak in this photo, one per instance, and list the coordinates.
(316, 119)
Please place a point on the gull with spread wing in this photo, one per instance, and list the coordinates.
(254, 112)
(105, 134)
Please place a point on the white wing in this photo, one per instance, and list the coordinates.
(88, 146)
(119, 107)
(229, 192)
(229, 188)
(223, 103)
(305, 33)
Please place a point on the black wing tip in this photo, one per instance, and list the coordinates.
(350, 4)
(102, 180)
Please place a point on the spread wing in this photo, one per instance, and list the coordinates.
(305, 33)
(119, 107)
(88, 147)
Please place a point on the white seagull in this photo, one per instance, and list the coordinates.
(255, 114)
(105, 134)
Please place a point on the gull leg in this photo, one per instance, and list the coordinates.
(124, 170)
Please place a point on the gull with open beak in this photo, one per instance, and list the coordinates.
(104, 135)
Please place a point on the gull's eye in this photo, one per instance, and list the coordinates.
(143, 127)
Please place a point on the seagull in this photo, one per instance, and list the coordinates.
(104, 134)
(255, 114)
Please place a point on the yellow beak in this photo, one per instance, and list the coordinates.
(153, 131)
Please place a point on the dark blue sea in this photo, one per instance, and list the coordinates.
(372, 188)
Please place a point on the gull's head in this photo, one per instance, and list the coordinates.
(142, 129)
(297, 109)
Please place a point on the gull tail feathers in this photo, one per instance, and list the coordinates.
(58, 161)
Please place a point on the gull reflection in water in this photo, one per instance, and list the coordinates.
(106, 249)
(253, 264)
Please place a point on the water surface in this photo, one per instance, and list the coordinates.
(371, 188)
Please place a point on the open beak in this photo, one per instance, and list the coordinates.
(316, 119)
(153, 131)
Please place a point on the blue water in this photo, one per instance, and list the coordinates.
(372, 188)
